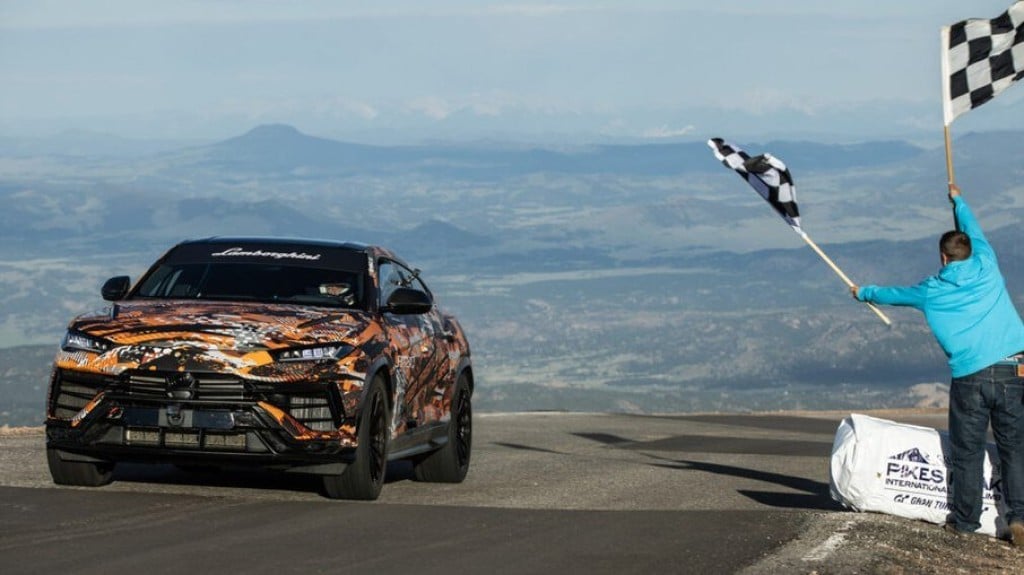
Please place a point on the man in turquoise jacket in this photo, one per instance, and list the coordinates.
(974, 320)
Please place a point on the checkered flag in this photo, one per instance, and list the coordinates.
(980, 59)
(766, 174)
(770, 178)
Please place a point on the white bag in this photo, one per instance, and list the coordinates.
(889, 467)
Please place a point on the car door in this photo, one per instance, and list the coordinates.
(415, 351)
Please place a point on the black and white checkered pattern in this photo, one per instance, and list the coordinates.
(980, 59)
(766, 174)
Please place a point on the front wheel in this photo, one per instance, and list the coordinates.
(364, 477)
(450, 463)
(82, 473)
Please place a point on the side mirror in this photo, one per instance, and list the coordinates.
(116, 288)
(405, 300)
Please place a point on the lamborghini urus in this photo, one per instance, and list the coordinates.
(317, 357)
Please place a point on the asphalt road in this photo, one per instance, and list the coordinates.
(547, 492)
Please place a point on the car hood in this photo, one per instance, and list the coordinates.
(225, 326)
(214, 336)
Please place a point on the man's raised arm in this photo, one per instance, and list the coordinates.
(967, 223)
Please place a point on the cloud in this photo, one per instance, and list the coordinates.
(431, 107)
(282, 109)
(493, 104)
(761, 101)
(664, 131)
(340, 108)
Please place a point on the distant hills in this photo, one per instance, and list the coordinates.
(277, 180)
(639, 277)
(279, 148)
(282, 149)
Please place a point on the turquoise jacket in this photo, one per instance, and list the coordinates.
(966, 304)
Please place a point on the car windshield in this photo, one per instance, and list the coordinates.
(254, 282)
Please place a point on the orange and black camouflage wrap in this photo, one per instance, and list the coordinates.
(420, 355)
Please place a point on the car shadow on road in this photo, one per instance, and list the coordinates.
(233, 477)
(211, 477)
(815, 494)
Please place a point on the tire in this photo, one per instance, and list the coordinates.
(364, 477)
(450, 463)
(82, 473)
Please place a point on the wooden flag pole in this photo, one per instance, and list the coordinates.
(949, 167)
(949, 155)
(836, 269)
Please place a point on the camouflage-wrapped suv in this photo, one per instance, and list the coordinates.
(318, 357)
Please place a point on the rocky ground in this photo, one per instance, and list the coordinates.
(877, 544)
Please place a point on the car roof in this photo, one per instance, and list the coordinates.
(273, 240)
(356, 247)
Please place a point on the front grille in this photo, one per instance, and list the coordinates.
(313, 411)
(73, 391)
(208, 386)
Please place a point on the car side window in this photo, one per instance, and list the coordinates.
(394, 275)
(390, 279)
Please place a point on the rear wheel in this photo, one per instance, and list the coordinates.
(83, 473)
(450, 463)
(364, 477)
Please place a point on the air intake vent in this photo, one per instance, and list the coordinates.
(74, 391)
(313, 411)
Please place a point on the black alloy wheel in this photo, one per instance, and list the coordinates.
(450, 463)
(364, 477)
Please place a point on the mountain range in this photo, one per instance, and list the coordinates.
(605, 277)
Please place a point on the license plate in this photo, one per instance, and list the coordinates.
(213, 419)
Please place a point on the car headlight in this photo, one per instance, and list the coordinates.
(315, 353)
(77, 341)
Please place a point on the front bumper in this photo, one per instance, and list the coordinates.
(119, 422)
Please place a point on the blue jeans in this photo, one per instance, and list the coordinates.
(997, 394)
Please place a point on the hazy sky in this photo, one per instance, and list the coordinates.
(412, 70)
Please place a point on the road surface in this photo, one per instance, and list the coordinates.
(546, 492)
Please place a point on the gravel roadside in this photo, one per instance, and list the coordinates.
(872, 543)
